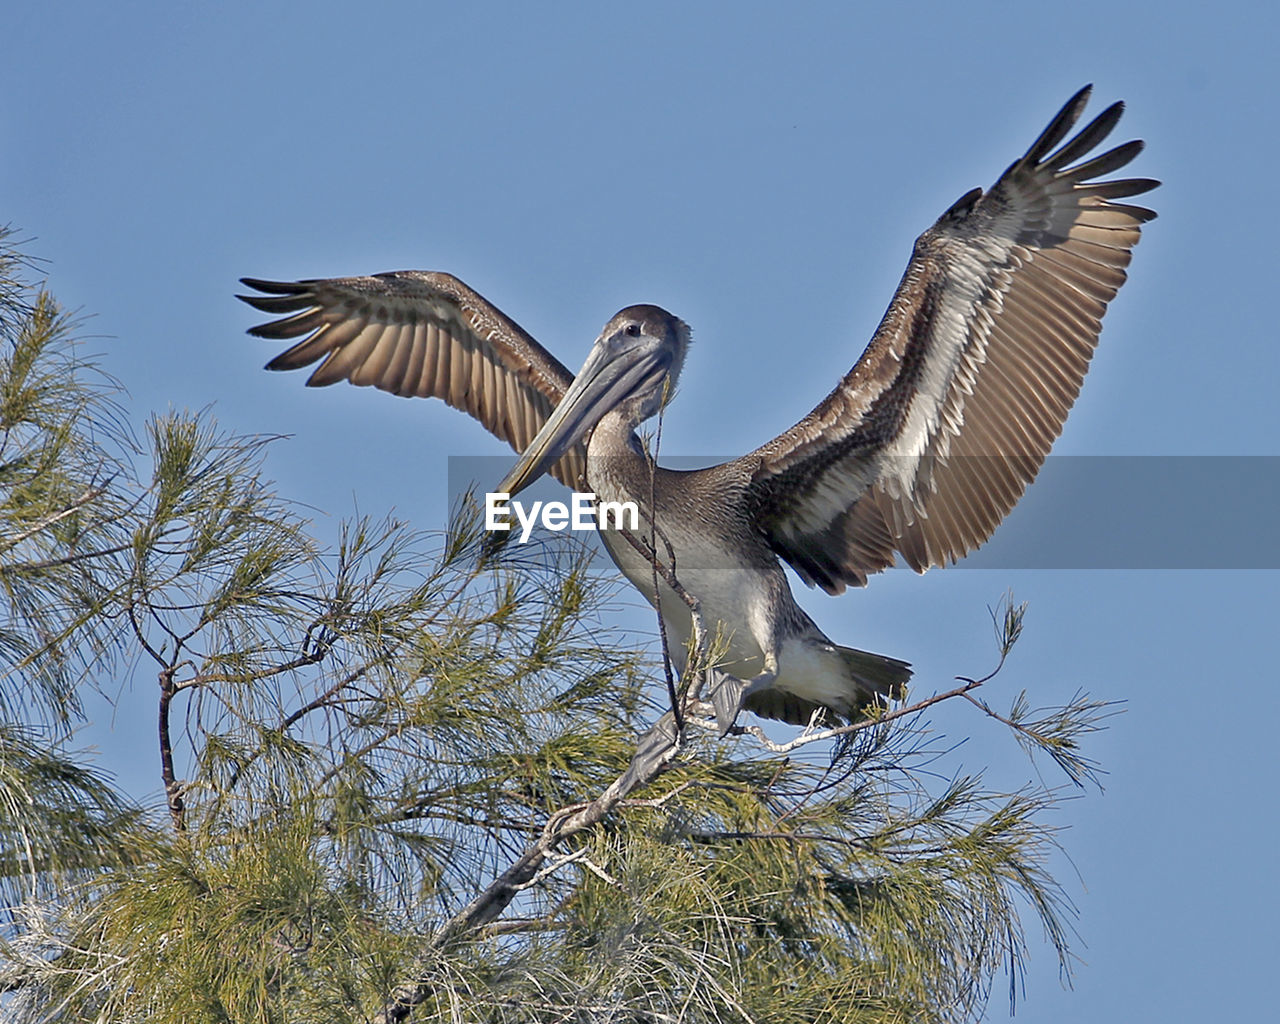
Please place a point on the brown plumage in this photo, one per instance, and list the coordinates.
(1003, 301)
(921, 450)
(421, 334)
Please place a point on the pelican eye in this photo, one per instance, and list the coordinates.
(633, 330)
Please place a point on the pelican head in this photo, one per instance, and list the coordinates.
(631, 370)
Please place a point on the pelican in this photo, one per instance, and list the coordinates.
(920, 450)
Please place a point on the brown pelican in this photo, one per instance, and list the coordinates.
(922, 448)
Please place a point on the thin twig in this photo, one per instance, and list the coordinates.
(672, 696)
(870, 721)
(90, 494)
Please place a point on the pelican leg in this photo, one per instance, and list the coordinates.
(728, 693)
(656, 747)
(725, 692)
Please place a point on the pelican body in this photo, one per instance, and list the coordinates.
(788, 667)
(697, 526)
(919, 451)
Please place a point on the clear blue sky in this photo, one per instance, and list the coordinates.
(762, 174)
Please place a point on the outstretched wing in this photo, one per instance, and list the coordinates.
(418, 333)
(935, 433)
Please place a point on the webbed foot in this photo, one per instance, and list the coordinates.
(652, 751)
(725, 692)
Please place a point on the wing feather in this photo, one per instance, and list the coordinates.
(422, 334)
(1085, 140)
(413, 368)
(939, 428)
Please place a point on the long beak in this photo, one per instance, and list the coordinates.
(605, 380)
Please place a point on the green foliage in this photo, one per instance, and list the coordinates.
(62, 445)
(59, 819)
(356, 741)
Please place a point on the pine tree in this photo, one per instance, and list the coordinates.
(399, 783)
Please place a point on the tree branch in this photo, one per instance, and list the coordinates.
(44, 522)
(654, 751)
(172, 788)
(1008, 629)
